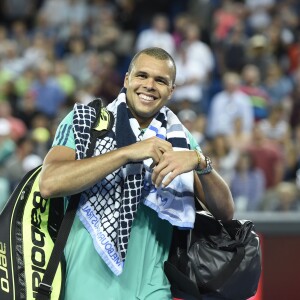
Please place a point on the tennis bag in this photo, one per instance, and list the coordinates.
(216, 259)
(29, 228)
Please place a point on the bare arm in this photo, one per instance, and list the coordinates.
(218, 197)
(62, 175)
(210, 188)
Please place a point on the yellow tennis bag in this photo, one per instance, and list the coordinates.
(34, 230)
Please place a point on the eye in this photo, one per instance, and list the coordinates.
(161, 81)
(141, 75)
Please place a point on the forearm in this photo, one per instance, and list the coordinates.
(62, 175)
(218, 197)
(67, 177)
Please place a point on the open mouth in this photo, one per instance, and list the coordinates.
(146, 98)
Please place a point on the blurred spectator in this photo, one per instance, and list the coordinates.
(239, 138)
(55, 12)
(224, 156)
(127, 17)
(275, 127)
(157, 35)
(283, 198)
(252, 86)
(20, 34)
(108, 80)
(295, 100)
(77, 59)
(4, 40)
(259, 54)
(288, 197)
(278, 86)
(201, 12)
(7, 148)
(40, 134)
(86, 93)
(49, 97)
(195, 63)
(17, 126)
(232, 54)
(9, 94)
(7, 144)
(178, 33)
(23, 83)
(97, 7)
(195, 124)
(27, 109)
(38, 51)
(105, 32)
(23, 10)
(259, 14)
(65, 80)
(12, 63)
(266, 156)
(228, 105)
(225, 18)
(246, 177)
(14, 165)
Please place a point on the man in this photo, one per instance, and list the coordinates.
(141, 186)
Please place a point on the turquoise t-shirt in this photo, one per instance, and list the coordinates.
(143, 278)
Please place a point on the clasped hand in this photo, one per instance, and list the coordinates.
(166, 161)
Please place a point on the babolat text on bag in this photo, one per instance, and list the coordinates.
(32, 227)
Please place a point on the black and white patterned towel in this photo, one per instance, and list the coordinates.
(108, 208)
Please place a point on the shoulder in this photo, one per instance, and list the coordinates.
(193, 143)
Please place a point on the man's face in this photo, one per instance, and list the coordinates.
(149, 87)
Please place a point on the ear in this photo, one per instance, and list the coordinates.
(125, 83)
(171, 92)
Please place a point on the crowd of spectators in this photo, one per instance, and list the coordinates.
(237, 87)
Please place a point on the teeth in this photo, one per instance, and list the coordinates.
(148, 98)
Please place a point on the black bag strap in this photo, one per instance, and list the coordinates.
(45, 286)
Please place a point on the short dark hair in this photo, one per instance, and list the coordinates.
(156, 52)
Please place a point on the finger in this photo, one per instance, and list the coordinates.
(158, 168)
(161, 144)
(161, 176)
(169, 178)
(156, 157)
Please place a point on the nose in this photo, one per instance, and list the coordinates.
(150, 84)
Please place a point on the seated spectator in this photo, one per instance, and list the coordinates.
(228, 105)
(267, 156)
(278, 86)
(7, 144)
(49, 96)
(252, 86)
(195, 64)
(14, 165)
(157, 35)
(283, 198)
(17, 127)
(246, 176)
(239, 138)
(224, 157)
(275, 127)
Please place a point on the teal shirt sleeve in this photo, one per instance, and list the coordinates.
(193, 143)
(64, 134)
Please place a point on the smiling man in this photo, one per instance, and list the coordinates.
(136, 187)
